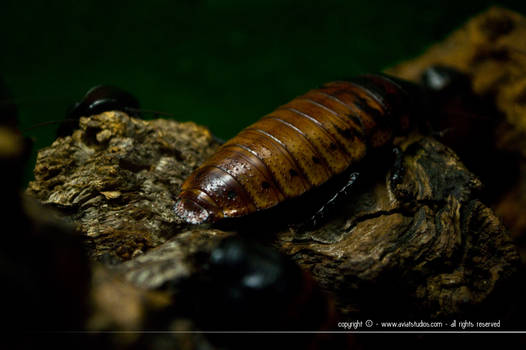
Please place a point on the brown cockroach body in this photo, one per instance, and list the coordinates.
(299, 147)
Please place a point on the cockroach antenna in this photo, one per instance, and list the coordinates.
(99, 99)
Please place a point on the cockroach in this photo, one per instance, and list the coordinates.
(244, 285)
(259, 289)
(321, 143)
(300, 148)
(98, 99)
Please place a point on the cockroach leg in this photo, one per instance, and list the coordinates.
(397, 170)
(321, 214)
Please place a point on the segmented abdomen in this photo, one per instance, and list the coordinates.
(299, 146)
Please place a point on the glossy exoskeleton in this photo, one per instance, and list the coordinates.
(246, 286)
(250, 286)
(320, 144)
(98, 99)
(300, 148)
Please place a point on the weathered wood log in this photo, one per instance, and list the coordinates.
(420, 230)
(117, 177)
(427, 231)
(59, 261)
(491, 49)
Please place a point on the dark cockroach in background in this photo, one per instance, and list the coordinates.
(248, 286)
(99, 99)
(276, 289)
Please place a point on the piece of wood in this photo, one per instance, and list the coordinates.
(116, 178)
(491, 49)
(424, 230)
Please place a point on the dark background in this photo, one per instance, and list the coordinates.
(221, 63)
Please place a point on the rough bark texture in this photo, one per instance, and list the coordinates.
(117, 178)
(427, 240)
(424, 245)
(492, 50)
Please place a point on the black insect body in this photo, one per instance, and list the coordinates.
(247, 286)
(97, 100)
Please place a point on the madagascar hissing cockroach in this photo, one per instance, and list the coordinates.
(246, 285)
(299, 148)
(98, 99)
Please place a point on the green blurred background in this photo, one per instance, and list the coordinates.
(221, 63)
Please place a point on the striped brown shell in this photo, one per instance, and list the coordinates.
(299, 146)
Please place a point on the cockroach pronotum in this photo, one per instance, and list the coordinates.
(98, 99)
(300, 148)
